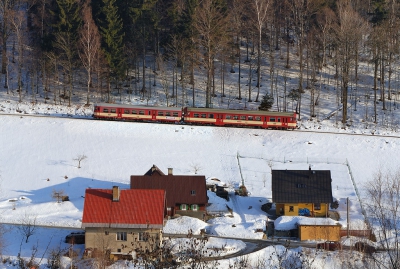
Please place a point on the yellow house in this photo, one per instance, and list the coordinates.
(302, 192)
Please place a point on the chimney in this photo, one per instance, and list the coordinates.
(309, 167)
(153, 168)
(115, 193)
(170, 171)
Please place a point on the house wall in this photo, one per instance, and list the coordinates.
(319, 232)
(106, 239)
(285, 209)
(199, 213)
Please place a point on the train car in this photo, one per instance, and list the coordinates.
(137, 113)
(240, 118)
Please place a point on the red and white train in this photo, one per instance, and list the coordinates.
(200, 116)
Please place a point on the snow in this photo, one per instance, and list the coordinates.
(37, 157)
(285, 223)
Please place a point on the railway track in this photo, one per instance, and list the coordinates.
(68, 116)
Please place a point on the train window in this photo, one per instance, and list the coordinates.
(235, 117)
(279, 119)
(112, 110)
(203, 115)
(134, 112)
(141, 112)
(168, 114)
(250, 117)
(175, 114)
(243, 117)
(291, 119)
(258, 118)
(105, 110)
(126, 111)
(160, 113)
(196, 115)
(272, 119)
(228, 117)
(211, 116)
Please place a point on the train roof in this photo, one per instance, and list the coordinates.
(139, 107)
(248, 112)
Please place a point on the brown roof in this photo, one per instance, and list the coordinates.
(301, 186)
(135, 209)
(154, 171)
(180, 189)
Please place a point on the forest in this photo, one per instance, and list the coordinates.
(53, 50)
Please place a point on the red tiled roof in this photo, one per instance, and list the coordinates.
(135, 209)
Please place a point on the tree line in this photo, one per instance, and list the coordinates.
(57, 47)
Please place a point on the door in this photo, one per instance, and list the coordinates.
(119, 113)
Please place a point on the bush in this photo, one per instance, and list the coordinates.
(266, 102)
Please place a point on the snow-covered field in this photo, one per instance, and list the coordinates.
(37, 157)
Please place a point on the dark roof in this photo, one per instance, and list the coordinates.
(178, 187)
(135, 208)
(154, 170)
(301, 186)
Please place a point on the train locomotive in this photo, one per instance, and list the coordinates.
(198, 116)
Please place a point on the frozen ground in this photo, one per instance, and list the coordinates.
(37, 157)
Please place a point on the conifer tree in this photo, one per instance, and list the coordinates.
(112, 40)
(66, 27)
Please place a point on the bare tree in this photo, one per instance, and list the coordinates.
(383, 210)
(212, 25)
(349, 34)
(79, 159)
(58, 195)
(17, 22)
(89, 44)
(259, 10)
(27, 226)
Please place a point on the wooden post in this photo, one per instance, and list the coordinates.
(348, 221)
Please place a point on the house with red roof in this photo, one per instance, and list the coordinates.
(186, 194)
(123, 222)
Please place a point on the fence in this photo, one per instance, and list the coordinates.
(357, 233)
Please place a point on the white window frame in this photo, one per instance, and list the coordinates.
(122, 236)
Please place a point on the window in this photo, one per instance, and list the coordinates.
(134, 112)
(121, 236)
(112, 110)
(235, 117)
(203, 115)
(160, 113)
(195, 207)
(193, 192)
(141, 112)
(183, 207)
(258, 118)
(105, 110)
(175, 114)
(211, 116)
(228, 117)
(243, 117)
(126, 111)
(143, 236)
(250, 117)
(196, 115)
(279, 119)
(272, 119)
(291, 208)
(168, 114)
(317, 206)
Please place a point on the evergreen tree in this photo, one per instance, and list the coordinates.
(68, 22)
(380, 12)
(266, 102)
(112, 38)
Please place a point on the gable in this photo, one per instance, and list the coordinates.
(301, 186)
